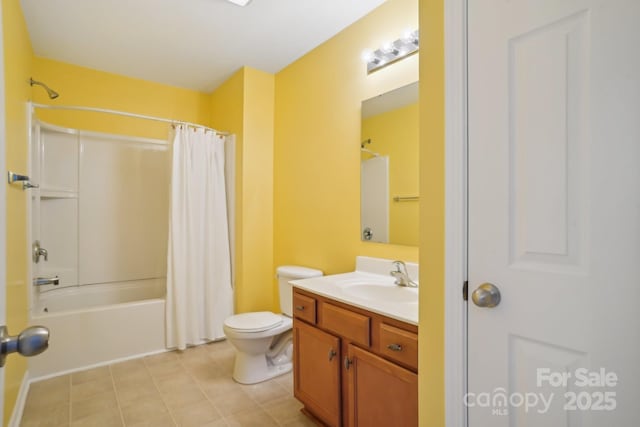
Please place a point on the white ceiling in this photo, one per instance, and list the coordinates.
(195, 44)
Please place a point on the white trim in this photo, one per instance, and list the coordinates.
(18, 408)
(455, 45)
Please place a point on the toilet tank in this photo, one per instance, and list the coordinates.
(291, 272)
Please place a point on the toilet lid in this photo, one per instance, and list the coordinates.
(254, 322)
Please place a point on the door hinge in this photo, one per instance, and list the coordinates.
(465, 290)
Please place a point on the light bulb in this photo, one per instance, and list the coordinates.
(368, 55)
(389, 47)
(410, 36)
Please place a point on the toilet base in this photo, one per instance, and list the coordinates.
(255, 368)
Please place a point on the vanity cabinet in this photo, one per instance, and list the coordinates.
(353, 367)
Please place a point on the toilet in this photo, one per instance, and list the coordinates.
(262, 339)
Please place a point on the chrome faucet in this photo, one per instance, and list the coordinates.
(38, 252)
(402, 275)
(41, 281)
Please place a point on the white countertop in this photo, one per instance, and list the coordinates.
(398, 304)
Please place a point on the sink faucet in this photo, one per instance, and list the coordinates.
(402, 276)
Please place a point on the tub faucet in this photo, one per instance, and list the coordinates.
(402, 275)
(38, 252)
(41, 281)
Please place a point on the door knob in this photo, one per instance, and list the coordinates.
(33, 340)
(486, 295)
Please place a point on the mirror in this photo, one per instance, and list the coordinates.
(389, 167)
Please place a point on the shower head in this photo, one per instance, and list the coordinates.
(52, 93)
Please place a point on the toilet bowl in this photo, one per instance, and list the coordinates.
(263, 340)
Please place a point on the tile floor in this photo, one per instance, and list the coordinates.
(190, 388)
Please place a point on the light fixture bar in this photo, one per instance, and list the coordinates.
(240, 2)
(392, 52)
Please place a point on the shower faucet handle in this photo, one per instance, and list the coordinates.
(38, 252)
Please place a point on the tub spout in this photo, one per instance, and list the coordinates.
(40, 281)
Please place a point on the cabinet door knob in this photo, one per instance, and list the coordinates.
(300, 307)
(394, 347)
(332, 354)
(347, 362)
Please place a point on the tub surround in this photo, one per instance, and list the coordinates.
(393, 301)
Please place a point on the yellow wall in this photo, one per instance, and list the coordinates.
(317, 143)
(17, 67)
(227, 104)
(395, 134)
(432, 218)
(258, 288)
(244, 105)
(91, 88)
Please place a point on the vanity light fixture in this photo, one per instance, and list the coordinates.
(391, 52)
(240, 2)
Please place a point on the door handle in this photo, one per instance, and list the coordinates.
(33, 340)
(486, 295)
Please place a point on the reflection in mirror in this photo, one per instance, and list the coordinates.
(389, 167)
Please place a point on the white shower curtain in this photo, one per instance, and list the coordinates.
(199, 288)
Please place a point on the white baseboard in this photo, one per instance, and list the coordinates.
(18, 408)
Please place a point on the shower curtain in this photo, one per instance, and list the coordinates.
(199, 287)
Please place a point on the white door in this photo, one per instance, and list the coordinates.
(554, 212)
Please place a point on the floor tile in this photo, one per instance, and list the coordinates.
(254, 418)
(49, 417)
(95, 405)
(164, 420)
(91, 388)
(284, 410)
(183, 396)
(133, 390)
(89, 375)
(103, 419)
(54, 392)
(233, 402)
(196, 415)
(193, 388)
(144, 409)
(266, 391)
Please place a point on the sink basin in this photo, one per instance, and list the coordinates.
(380, 292)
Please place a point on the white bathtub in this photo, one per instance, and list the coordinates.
(85, 332)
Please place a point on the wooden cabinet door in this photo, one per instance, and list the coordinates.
(380, 393)
(317, 372)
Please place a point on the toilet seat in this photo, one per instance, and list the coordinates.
(253, 322)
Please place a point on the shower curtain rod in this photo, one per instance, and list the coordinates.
(125, 114)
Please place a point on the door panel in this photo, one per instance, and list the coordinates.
(317, 371)
(554, 210)
(381, 393)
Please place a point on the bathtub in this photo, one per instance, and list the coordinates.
(94, 325)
